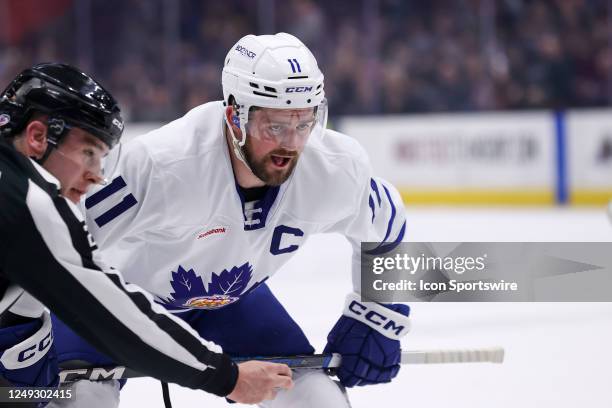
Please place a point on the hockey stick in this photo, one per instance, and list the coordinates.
(315, 361)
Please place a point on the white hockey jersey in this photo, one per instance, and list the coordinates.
(173, 221)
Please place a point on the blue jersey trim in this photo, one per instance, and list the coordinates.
(393, 212)
(128, 202)
(265, 204)
(371, 202)
(375, 188)
(384, 248)
(117, 184)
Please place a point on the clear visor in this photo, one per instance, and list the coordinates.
(110, 163)
(101, 165)
(287, 128)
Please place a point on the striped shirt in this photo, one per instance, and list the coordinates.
(45, 250)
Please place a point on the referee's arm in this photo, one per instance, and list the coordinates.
(46, 251)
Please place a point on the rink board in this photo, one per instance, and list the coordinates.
(502, 158)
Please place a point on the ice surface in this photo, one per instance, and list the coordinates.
(557, 354)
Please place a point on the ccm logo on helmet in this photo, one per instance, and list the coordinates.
(376, 318)
(118, 123)
(245, 52)
(292, 89)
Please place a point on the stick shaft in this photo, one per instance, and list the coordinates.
(315, 361)
(480, 355)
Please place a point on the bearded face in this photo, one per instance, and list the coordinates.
(275, 140)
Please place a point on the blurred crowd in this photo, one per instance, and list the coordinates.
(163, 57)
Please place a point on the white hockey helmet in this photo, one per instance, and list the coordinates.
(272, 71)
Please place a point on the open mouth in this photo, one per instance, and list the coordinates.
(280, 161)
(77, 191)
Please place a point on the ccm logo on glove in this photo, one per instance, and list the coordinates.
(387, 322)
(30, 349)
(367, 336)
(377, 319)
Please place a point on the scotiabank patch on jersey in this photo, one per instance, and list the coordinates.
(224, 288)
(211, 232)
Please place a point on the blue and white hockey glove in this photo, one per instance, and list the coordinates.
(28, 357)
(367, 336)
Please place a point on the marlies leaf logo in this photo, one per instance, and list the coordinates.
(225, 288)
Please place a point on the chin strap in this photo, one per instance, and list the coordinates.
(237, 145)
(45, 156)
(56, 130)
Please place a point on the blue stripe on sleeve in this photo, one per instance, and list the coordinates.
(375, 188)
(128, 202)
(384, 248)
(117, 184)
(371, 201)
(393, 212)
(384, 245)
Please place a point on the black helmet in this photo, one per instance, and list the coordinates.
(68, 96)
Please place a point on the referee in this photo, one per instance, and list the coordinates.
(56, 126)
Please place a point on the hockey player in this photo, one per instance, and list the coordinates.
(56, 126)
(205, 209)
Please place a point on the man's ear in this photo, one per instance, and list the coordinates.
(232, 118)
(36, 138)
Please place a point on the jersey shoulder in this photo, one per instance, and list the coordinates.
(188, 138)
(13, 188)
(334, 167)
(175, 151)
(12, 168)
(19, 176)
(163, 175)
(338, 155)
(17, 172)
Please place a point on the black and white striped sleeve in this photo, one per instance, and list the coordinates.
(47, 251)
